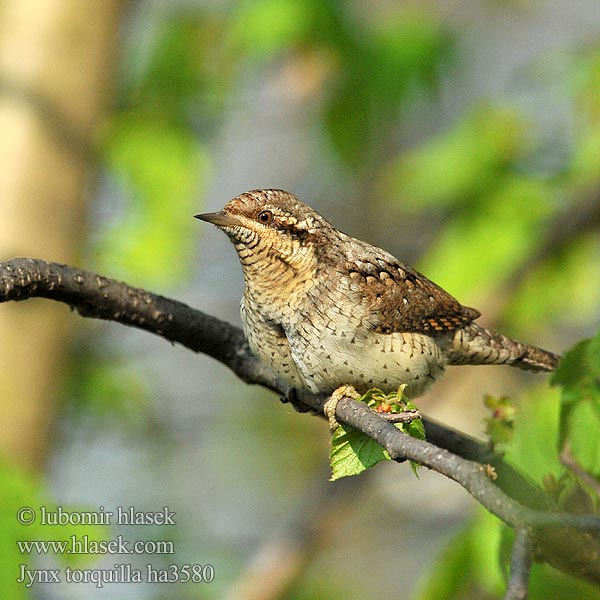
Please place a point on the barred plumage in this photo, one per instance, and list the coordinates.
(324, 309)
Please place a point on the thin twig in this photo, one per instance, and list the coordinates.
(520, 566)
(568, 460)
(406, 416)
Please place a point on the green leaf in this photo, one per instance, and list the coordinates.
(583, 430)
(592, 358)
(572, 373)
(548, 582)
(578, 376)
(499, 427)
(473, 565)
(469, 566)
(352, 452)
(415, 429)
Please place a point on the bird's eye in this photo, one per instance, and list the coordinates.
(265, 217)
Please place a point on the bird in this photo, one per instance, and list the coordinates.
(325, 310)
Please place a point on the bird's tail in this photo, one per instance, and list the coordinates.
(475, 345)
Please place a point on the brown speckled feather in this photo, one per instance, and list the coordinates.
(400, 299)
(324, 309)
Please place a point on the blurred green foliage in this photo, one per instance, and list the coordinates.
(19, 489)
(499, 427)
(470, 567)
(534, 447)
(108, 390)
(152, 151)
(379, 70)
(459, 167)
(565, 280)
(259, 30)
(160, 167)
(579, 378)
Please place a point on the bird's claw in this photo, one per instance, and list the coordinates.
(344, 391)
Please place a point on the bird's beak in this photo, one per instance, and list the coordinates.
(220, 219)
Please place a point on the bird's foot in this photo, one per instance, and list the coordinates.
(344, 391)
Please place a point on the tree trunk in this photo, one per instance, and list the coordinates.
(56, 58)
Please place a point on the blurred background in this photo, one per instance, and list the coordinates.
(463, 137)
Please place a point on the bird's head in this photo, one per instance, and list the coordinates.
(274, 234)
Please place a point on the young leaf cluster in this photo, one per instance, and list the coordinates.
(352, 452)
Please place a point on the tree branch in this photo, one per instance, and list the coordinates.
(98, 297)
(520, 567)
(471, 475)
(510, 496)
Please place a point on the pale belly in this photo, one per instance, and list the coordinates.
(383, 361)
(322, 360)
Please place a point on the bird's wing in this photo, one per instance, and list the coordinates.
(399, 299)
